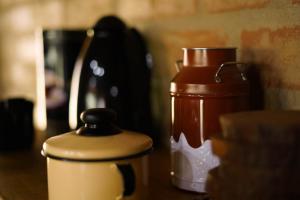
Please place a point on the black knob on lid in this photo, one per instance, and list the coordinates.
(98, 116)
(98, 122)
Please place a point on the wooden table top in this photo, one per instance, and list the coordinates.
(23, 176)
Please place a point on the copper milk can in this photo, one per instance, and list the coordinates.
(209, 82)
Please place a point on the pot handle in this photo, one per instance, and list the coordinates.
(218, 77)
(178, 65)
(128, 176)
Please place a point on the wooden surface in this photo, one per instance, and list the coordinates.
(23, 176)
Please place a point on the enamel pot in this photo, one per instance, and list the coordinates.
(98, 161)
(209, 82)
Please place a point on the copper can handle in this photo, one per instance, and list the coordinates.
(178, 65)
(218, 78)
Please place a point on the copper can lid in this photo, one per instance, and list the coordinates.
(209, 72)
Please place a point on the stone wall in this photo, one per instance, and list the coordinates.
(266, 33)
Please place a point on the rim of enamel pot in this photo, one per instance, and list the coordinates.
(98, 140)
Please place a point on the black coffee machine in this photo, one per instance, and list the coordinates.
(113, 70)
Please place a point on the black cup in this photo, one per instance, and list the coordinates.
(16, 124)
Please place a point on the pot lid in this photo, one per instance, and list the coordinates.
(98, 140)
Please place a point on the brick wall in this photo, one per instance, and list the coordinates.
(267, 33)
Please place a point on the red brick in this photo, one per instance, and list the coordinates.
(276, 53)
(135, 9)
(230, 5)
(90, 12)
(18, 19)
(10, 3)
(196, 38)
(174, 7)
(295, 1)
(53, 10)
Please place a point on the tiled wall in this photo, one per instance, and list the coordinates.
(267, 33)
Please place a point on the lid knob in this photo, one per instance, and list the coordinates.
(98, 122)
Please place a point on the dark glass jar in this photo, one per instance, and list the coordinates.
(16, 124)
(61, 48)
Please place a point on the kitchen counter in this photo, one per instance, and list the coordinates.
(23, 176)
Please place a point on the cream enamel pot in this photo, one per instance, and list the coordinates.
(98, 161)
